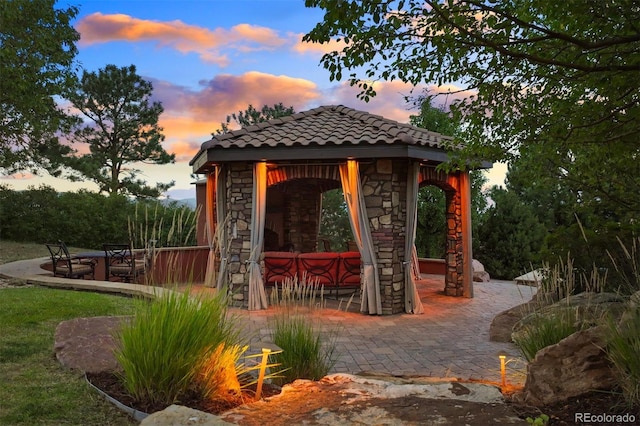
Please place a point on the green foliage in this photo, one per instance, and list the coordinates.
(540, 420)
(431, 231)
(545, 331)
(164, 348)
(623, 349)
(509, 237)
(529, 61)
(35, 388)
(431, 228)
(166, 225)
(434, 119)
(37, 51)
(578, 218)
(334, 220)
(306, 353)
(548, 86)
(122, 130)
(86, 219)
(252, 116)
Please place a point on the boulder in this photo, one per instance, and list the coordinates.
(632, 309)
(572, 367)
(479, 274)
(502, 325)
(586, 309)
(177, 415)
(87, 344)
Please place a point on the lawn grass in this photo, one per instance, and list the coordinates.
(34, 388)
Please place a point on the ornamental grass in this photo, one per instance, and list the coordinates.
(163, 349)
(307, 352)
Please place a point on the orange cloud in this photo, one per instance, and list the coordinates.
(183, 150)
(315, 48)
(190, 116)
(100, 28)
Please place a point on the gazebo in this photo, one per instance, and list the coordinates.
(273, 174)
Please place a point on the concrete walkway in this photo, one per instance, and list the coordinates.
(451, 339)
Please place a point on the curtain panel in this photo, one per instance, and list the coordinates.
(412, 303)
(221, 230)
(210, 274)
(257, 294)
(352, 188)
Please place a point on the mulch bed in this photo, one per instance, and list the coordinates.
(109, 383)
(595, 403)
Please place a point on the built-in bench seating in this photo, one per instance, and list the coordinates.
(334, 271)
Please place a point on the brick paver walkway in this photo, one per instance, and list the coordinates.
(451, 339)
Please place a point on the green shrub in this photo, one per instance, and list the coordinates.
(163, 349)
(545, 331)
(623, 349)
(305, 354)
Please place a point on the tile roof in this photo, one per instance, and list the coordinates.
(331, 125)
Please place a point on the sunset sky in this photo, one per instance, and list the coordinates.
(207, 59)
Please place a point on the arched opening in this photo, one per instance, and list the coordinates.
(306, 214)
(431, 229)
(335, 229)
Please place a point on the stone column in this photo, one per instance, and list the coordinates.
(384, 188)
(239, 199)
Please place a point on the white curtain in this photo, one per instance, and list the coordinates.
(210, 275)
(352, 189)
(257, 295)
(221, 231)
(412, 303)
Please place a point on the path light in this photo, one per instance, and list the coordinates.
(267, 349)
(263, 367)
(503, 368)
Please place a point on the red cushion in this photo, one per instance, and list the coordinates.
(349, 270)
(319, 267)
(279, 266)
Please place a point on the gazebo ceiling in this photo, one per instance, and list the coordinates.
(326, 133)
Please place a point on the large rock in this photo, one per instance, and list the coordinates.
(177, 415)
(584, 309)
(479, 274)
(632, 309)
(87, 344)
(502, 325)
(572, 367)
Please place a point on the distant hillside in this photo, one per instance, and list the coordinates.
(191, 202)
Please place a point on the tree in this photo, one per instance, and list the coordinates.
(37, 51)
(581, 223)
(252, 116)
(562, 75)
(510, 236)
(122, 129)
(334, 219)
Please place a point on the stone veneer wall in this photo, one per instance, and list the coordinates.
(239, 204)
(302, 215)
(453, 283)
(384, 185)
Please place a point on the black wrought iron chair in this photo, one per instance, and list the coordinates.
(121, 263)
(67, 266)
